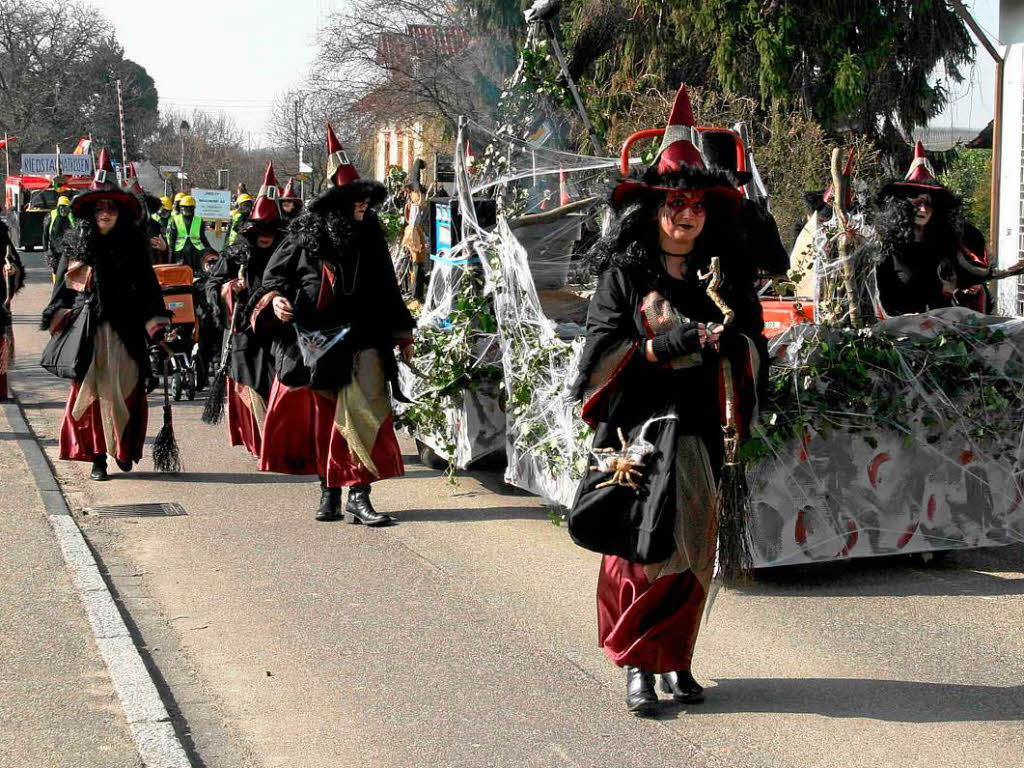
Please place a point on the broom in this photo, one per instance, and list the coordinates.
(166, 457)
(735, 561)
(213, 411)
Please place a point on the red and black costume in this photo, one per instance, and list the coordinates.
(235, 277)
(9, 285)
(946, 266)
(659, 541)
(334, 418)
(110, 277)
(290, 199)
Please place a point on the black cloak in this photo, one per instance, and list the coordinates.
(335, 271)
(251, 362)
(124, 290)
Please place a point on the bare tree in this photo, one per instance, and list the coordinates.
(400, 59)
(58, 64)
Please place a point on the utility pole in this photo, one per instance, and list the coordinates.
(120, 118)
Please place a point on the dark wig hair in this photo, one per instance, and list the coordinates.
(894, 223)
(632, 241)
(84, 242)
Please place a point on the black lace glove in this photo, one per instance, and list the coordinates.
(684, 340)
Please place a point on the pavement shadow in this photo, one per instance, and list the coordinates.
(961, 573)
(233, 478)
(464, 515)
(897, 701)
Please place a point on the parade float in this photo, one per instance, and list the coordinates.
(876, 436)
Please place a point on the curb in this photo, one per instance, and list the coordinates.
(147, 717)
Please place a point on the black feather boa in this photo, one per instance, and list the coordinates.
(894, 223)
(110, 256)
(325, 227)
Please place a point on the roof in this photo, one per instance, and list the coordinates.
(942, 138)
(421, 40)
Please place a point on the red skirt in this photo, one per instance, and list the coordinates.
(6, 356)
(650, 626)
(82, 439)
(300, 438)
(244, 425)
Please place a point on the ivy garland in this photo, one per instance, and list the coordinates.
(861, 382)
(453, 355)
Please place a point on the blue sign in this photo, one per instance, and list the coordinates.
(443, 228)
(46, 165)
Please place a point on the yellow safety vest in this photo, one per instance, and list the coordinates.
(53, 218)
(186, 233)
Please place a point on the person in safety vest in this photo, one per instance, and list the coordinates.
(176, 204)
(152, 227)
(163, 216)
(243, 207)
(60, 221)
(186, 236)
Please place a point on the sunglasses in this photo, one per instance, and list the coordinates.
(921, 202)
(106, 206)
(679, 203)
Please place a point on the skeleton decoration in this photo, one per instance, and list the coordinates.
(622, 463)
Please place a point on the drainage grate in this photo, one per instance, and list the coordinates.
(165, 509)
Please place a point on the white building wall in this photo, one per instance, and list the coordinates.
(1011, 179)
(379, 168)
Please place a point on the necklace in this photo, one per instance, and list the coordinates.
(355, 276)
(682, 267)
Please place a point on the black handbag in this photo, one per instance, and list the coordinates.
(636, 525)
(68, 353)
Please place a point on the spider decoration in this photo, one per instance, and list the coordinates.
(622, 463)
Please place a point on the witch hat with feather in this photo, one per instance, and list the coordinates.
(265, 216)
(104, 186)
(340, 170)
(920, 179)
(679, 165)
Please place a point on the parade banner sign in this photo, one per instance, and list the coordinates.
(212, 203)
(46, 165)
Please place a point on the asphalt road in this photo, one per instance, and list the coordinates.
(466, 635)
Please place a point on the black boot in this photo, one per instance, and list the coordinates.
(124, 466)
(99, 467)
(358, 508)
(682, 686)
(641, 698)
(330, 504)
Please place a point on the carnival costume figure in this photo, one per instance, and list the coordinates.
(331, 299)
(59, 222)
(106, 302)
(235, 277)
(13, 274)
(414, 237)
(650, 379)
(291, 201)
(928, 256)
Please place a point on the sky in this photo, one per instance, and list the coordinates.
(972, 102)
(236, 57)
(221, 55)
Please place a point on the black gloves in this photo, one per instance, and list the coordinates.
(684, 340)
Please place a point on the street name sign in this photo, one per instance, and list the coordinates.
(212, 203)
(46, 165)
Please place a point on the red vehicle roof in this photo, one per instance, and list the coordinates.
(45, 182)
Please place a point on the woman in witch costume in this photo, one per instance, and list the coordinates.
(657, 351)
(105, 271)
(291, 202)
(928, 256)
(331, 299)
(13, 273)
(235, 277)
